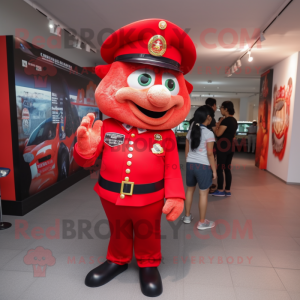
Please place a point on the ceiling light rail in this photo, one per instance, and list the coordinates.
(261, 38)
(55, 27)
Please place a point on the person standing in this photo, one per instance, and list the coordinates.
(225, 131)
(200, 164)
(211, 102)
(252, 131)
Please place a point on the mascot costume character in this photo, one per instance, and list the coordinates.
(144, 93)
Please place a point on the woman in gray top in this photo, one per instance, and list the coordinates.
(200, 164)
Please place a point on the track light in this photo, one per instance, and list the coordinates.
(87, 48)
(250, 58)
(51, 24)
(239, 63)
(55, 29)
(77, 44)
(262, 37)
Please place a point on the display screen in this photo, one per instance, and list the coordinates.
(183, 127)
(242, 128)
(52, 96)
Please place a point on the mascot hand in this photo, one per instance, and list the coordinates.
(88, 136)
(173, 208)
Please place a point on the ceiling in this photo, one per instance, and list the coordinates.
(282, 38)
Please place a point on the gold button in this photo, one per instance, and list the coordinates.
(129, 163)
(129, 155)
(122, 196)
(132, 135)
(162, 25)
(127, 171)
(126, 178)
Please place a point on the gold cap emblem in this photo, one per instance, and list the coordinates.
(162, 25)
(157, 45)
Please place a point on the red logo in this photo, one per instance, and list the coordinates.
(39, 258)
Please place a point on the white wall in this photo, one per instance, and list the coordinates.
(294, 162)
(282, 72)
(16, 14)
(249, 108)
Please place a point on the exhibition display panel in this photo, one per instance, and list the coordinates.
(44, 98)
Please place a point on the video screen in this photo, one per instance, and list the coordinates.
(52, 95)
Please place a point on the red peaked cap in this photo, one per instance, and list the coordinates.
(155, 42)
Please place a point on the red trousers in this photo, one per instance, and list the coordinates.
(134, 227)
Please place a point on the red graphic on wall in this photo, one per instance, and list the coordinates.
(280, 119)
(80, 96)
(264, 116)
(90, 93)
(39, 258)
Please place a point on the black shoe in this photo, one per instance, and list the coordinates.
(104, 273)
(150, 281)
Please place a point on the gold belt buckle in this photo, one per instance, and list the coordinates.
(131, 188)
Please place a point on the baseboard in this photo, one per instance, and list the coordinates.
(21, 208)
(287, 182)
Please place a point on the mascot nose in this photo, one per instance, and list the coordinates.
(159, 96)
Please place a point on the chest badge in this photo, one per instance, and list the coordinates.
(157, 149)
(113, 139)
(157, 137)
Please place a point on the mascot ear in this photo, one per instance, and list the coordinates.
(101, 71)
(189, 86)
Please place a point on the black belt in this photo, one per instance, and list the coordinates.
(129, 188)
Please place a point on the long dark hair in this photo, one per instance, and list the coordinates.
(199, 117)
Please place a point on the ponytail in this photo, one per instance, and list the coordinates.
(195, 136)
(199, 117)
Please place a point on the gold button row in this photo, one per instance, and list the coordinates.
(129, 163)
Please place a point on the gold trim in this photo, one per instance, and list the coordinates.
(131, 189)
(162, 25)
(164, 46)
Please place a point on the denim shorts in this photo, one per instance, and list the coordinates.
(198, 173)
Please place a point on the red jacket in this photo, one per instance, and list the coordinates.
(145, 167)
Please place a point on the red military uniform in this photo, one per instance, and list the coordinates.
(147, 164)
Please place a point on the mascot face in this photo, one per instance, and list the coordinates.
(144, 96)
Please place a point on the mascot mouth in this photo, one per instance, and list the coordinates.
(154, 118)
(150, 113)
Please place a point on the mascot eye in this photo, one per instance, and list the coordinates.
(171, 83)
(144, 79)
(141, 79)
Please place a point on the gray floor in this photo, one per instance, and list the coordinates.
(222, 264)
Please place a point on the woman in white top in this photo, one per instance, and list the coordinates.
(200, 164)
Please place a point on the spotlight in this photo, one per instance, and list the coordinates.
(238, 63)
(262, 37)
(51, 24)
(77, 44)
(56, 29)
(250, 57)
(87, 48)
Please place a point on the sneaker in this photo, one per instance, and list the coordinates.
(228, 194)
(217, 193)
(206, 225)
(187, 220)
